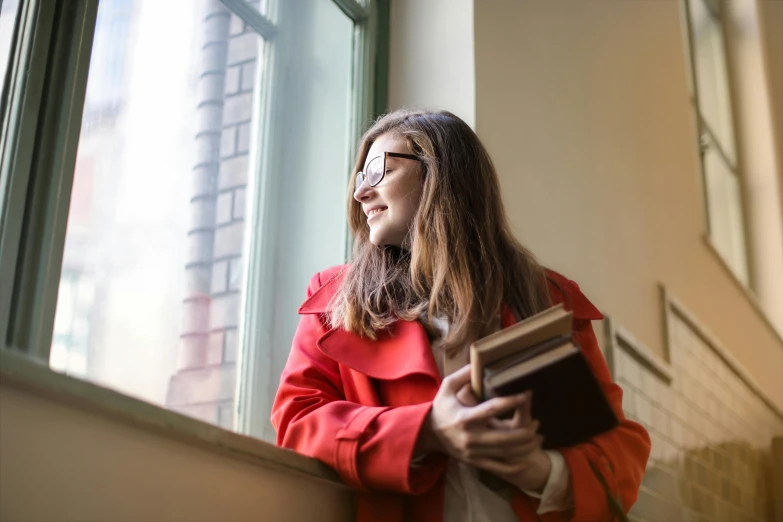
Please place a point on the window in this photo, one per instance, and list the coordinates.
(211, 164)
(721, 180)
(8, 11)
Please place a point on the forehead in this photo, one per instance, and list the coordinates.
(388, 143)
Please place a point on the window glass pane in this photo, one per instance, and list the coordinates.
(313, 144)
(149, 299)
(711, 77)
(724, 206)
(8, 10)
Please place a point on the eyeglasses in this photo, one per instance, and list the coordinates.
(375, 170)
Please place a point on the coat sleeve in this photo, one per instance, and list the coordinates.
(370, 447)
(619, 455)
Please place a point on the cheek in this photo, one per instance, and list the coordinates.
(412, 202)
(405, 206)
(403, 201)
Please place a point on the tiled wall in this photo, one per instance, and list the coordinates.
(711, 431)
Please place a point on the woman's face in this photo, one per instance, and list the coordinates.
(391, 205)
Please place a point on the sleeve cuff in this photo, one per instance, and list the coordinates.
(557, 495)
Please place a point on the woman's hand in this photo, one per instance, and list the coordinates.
(529, 467)
(468, 431)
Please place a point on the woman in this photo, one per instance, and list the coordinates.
(377, 382)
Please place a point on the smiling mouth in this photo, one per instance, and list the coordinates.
(374, 212)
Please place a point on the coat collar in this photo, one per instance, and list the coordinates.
(401, 350)
(318, 301)
(404, 349)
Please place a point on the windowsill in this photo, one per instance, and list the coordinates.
(747, 292)
(19, 371)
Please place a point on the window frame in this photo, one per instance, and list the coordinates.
(47, 84)
(254, 378)
(53, 48)
(706, 138)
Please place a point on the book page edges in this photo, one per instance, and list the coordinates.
(528, 324)
(550, 357)
(515, 338)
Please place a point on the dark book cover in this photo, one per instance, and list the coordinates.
(568, 400)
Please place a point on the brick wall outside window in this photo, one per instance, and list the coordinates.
(204, 385)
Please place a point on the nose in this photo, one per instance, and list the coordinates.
(363, 192)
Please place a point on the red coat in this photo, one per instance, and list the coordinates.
(358, 404)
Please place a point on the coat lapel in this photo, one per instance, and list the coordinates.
(403, 349)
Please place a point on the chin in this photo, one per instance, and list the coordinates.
(380, 239)
(377, 240)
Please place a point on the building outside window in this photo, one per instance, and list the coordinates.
(209, 186)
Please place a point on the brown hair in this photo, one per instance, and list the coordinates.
(460, 258)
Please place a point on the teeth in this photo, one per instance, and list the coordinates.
(374, 211)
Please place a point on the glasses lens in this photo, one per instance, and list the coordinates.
(374, 171)
(359, 179)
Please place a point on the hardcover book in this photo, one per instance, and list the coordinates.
(539, 354)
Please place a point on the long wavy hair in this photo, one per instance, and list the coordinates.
(459, 260)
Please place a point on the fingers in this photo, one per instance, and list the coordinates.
(465, 396)
(521, 418)
(503, 443)
(494, 407)
(525, 410)
(512, 451)
(508, 437)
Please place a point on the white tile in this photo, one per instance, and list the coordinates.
(677, 433)
(632, 371)
(618, 358)
(670, 453)
(643, 410)
(690, 439)
(677, 379)
(664, 396)
(658, 451)
(660, 420)
(629, 406)
(680, 408)
(686, 387)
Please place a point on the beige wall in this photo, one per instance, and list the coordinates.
(431, 56)
(62, 463)
(585, 109)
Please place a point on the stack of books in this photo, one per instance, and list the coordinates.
(539, 354)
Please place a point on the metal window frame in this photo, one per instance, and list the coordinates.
(41, 125)
(252, 17)
(703, 128)
(353, 9)
(715, 143)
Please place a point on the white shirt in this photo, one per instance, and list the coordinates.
(467, 499)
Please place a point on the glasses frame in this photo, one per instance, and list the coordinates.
(361, 177)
